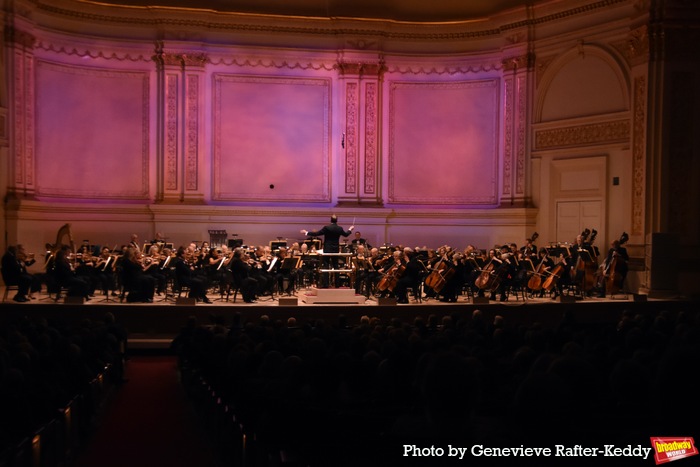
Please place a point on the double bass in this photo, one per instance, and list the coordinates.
(614, 272)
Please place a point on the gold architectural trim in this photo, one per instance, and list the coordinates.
(371, 136)
(617, 131)
(351, 137)
(265, 24)
(639, 155)
(635, 48)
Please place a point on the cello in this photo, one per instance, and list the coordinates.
(491, 276)
(392, 276)
(535, 282)
(438, 277)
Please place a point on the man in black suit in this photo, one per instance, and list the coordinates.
(14, 272)
(331, 238)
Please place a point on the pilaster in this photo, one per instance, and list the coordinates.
(361, 86)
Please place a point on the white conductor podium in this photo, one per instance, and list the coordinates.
(332, 294)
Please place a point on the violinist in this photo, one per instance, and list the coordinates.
(85, 268)
(105, 269)
(241, 270)
(282, 271)
(217, 270)
(151, 266)
(185, 275)
(139, 285)
(14, 272)
(65, 276)
(261, 261)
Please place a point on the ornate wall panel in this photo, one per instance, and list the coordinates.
(371, 137)
(92, 132)
(639, 155)
(443, 142)
(351, 150)
(271, 139)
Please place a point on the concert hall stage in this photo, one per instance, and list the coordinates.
(154, 325)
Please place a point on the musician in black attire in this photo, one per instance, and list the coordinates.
(282, 271)
(456, 279)
(411, 277)
(65, 275)
(14, 272)
(184, 275)
(621, 265)
(241, 275)
(141, 286)
(331, 241)
(506, 271)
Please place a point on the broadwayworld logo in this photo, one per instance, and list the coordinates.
(673, 449)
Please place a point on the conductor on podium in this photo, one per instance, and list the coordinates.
(331, 237)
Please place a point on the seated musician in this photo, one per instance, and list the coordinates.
(411, 277)
(372, 275)
(217, 272)
(151, 266)
(358, 240)
(65, 276)
(262, 258)
(456, 279)
(361, 267)
(282, 271)
(105, 268)
(506, 271)
(140, 286)
(85, 268)
(185, 276)
(241, 270)
(14, 272)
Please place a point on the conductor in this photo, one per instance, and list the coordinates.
(331, 235)
(331, 239)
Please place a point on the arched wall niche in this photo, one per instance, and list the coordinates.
(585, 81)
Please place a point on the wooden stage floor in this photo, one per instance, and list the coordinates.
(154, 325)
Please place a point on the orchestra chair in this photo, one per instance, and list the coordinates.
(416, 291)
(7, 290)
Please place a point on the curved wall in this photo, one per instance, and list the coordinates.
(143, 120)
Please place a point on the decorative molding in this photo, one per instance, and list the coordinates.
(371, 136)
(351, 136)
(541, 67)
(639, 155)
(252, 62)
(171, 139)
(174, 19)
(520, 143)
(192, 132)
(19, 38)
(635, 48)
(85, 53)
(617, 131)
(508, 131)
(444, 70)
(518, 63)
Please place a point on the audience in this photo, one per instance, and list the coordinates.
(333, 390)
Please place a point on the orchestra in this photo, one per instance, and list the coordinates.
(138, 272)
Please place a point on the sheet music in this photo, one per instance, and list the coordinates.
(272, 264)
